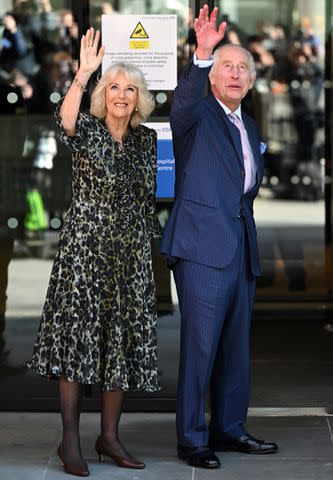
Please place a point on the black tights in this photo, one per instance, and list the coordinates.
(70, 403)
(112, 404)
(70, 406)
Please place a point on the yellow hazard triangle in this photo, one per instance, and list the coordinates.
(139, 32)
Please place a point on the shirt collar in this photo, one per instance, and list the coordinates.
(227, 110)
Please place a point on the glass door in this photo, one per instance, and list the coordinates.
(35, 180)
(291, 102)
(287, 40)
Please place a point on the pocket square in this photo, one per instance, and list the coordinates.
(263, 147)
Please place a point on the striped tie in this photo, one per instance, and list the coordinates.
(247, 152)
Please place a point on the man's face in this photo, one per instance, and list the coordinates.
(231, 77)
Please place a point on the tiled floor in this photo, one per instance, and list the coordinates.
(28, 443)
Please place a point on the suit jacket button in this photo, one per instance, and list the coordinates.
(243, 173)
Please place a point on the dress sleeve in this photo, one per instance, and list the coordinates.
(78, 142)
(153, 225)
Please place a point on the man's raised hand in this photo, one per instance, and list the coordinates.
(208, 35)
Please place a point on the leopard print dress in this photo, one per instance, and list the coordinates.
(99, 323)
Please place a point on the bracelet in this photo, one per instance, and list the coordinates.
(80, 84)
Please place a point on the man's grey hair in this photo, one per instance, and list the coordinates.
(252, 65)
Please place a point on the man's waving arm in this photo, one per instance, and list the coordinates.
(187, 102)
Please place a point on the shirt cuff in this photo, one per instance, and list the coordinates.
(203, 63)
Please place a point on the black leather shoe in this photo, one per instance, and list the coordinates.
(245, 444)
(200, 457)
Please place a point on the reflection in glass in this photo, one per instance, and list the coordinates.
(288, 103)
(38, 58)
(39, 48)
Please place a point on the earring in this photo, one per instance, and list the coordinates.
(136, 109)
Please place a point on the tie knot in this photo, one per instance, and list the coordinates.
(234, 118)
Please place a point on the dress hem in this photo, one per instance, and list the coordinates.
(126, 386)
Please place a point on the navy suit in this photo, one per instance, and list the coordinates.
(210, 244)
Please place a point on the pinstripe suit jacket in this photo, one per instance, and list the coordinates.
(209, 188)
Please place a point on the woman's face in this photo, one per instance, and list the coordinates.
(121, 97)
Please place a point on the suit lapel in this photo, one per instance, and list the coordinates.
(254, 145)
(235, 136)
(232, 129)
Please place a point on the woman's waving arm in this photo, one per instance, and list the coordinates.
(90, 60)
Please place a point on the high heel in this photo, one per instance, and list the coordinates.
(118, 460)
(78, 470)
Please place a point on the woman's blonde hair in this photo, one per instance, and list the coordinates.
(146, 102)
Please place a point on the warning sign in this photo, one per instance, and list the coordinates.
(139, 45)
(151, 46)
(139, 32)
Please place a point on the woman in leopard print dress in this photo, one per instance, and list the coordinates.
(99, 322)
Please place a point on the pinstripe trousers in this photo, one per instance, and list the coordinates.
(215, 306)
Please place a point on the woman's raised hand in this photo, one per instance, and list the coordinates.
(208, 35)
(90, 59)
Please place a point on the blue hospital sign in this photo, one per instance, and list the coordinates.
(165, 169)
(165, 160)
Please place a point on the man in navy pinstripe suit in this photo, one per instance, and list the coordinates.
(210, 243)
